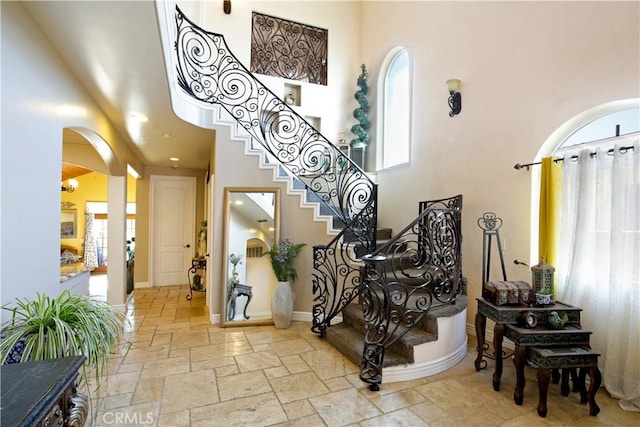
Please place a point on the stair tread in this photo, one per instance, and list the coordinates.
(353, 317)
(350, 342)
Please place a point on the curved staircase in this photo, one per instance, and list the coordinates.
(404, 298)
(436, 343)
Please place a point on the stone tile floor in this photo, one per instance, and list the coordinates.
(177, 369)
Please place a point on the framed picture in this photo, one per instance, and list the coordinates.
(68, 224)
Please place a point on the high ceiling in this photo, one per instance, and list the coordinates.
(114, 50)
(69, 171)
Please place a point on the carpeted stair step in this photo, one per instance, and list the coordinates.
(382, 237)
(424, 331)
(350, 342)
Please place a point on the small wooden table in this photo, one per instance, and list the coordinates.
(565, 358)
(195, 275)
(238, 290)
(511, 315)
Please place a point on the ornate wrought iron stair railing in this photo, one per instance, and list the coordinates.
(418, 269)
(209, 72)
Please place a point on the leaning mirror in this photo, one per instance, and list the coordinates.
(251, 227)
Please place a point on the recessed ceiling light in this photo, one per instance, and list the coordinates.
(166, 135)
(174, 159)
(71, 110)
(138, 117)
(238, 202)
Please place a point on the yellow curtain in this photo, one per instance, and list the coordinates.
(550, 204)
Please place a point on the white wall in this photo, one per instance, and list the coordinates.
(35, 83)
(334, 103)
(341, 19)
(526, 68)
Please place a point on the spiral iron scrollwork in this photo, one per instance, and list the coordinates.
(79, 409)
(337, 280)
(490, 221)
(209, 72)
(284, 48)
(420, 268)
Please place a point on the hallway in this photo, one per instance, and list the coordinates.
(178, 369)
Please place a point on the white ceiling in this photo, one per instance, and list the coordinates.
(114, 49)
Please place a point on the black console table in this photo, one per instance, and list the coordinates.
(236, 291)
(196, 275)
(511, 315)
(542, 346)
(43, 393)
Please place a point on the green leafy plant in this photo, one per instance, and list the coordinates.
(283, 256)
(545, 291)
(361, 130)
(235, 259)
(68, 325)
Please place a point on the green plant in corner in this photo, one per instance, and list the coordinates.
(361, 130)
(545, 291)
(283, 256)
(68, 325)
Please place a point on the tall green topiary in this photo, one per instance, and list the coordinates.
(361, 130)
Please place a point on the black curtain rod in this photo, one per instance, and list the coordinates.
(610, 151)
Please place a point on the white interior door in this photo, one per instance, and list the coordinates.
(172, 225)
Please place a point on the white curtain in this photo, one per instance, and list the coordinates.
(599, 260)
(90, 247)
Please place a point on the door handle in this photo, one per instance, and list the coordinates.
(187, 246)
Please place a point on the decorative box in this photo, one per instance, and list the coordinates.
(505, 292)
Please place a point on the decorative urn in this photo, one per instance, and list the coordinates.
(542, 282)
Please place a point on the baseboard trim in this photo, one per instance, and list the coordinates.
(423, 370)
(141, 285)
(305, 316)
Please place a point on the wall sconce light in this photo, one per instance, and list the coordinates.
(72, 184)
(226, 6)
(455, 100)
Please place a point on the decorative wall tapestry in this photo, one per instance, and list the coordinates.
(287, 49)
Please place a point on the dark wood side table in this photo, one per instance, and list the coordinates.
(238, 290)
(510, 315)
(43, 393)
(196, 275)
(544, 336)
(565, 358)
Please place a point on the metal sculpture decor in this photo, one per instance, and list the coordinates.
(283, 48)
(210, 73)
(490, 224)
(417, 270)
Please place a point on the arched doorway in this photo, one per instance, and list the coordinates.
(84, 147)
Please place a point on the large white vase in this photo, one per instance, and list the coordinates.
(282, 305)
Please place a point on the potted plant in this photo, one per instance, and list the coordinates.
(235, 260)
(543, 296)
(283, 256)
(68, 325)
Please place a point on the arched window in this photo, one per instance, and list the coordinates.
(594, 124)
(593, 222)
(394, 109)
